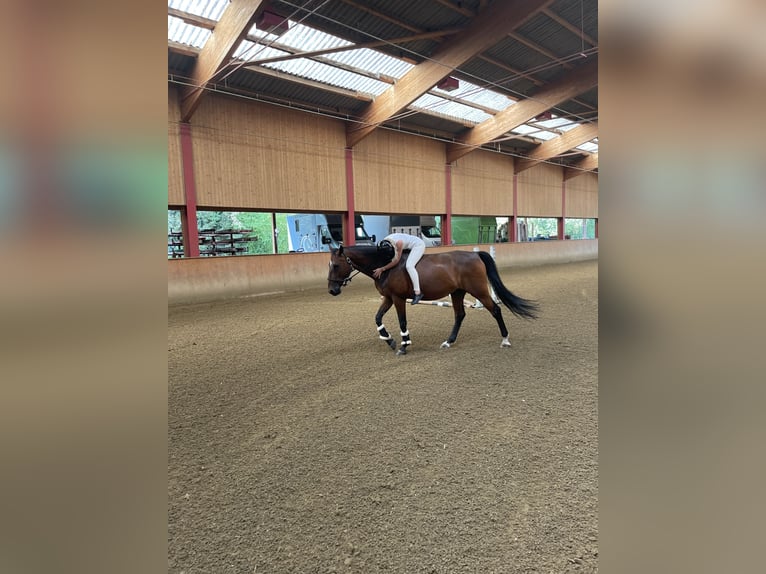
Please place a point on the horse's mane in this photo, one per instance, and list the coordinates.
(376, 255)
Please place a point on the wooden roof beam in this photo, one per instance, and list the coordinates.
(234, 24)
(192, 19)
(375, 44)
(586, 164)
(565, 88)
(485, 31)
(570, 139)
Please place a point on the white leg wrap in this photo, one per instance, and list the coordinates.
(406, 333)
(382, 326)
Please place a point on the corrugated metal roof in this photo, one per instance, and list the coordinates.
(180, 63)
(485, 87)
(286, 90)
(373, 61)
(435, 104)
(313, 70)
(183, 33)
(211, 9)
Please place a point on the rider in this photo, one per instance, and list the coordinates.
(417, 247)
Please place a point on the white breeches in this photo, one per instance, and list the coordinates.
(415, 254)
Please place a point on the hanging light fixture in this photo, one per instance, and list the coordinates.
(449, 84)
(272, 23)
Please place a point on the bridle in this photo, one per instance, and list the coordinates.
(354, 270)
(353, 273)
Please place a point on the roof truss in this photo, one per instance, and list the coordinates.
(586, 164)
(566, 87)
(487, 29)
(570, 139)
(227, 34)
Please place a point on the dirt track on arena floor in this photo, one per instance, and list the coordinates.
(298, 442)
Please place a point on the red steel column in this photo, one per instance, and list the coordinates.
(512, 223)
(563, 210)
(189, 214)
(446, 228)
(349, 227)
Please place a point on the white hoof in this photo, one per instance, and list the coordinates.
(445, 345)
(505, 343)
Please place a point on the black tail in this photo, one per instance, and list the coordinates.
(518, 306)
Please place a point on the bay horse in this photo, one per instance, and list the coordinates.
(452, 273)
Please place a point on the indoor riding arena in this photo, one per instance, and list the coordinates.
(298, 440)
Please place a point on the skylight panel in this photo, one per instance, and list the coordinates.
(301, 38)
(310, 69)
(480, 96)
(183, 33)
(589, 147)
(211, 9)
(304, 39)
(561, 123)
(373, 62)
(524, 129)
(431, 103)
(250, 51)
(545, 135)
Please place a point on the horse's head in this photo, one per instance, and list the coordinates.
(340, 271)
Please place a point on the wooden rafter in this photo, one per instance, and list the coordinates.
(586, 164)
(565, 88)
(485, 31)
(193, 19)
(570, 139)
(375, 44)
(253, 67)
(218, 50)
(309, 83)
(457, 8)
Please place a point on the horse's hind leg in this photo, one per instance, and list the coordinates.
(382, 333)
(496, 312)
(498, 315)
(459, 309)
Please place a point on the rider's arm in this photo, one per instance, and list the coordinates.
(397, 256)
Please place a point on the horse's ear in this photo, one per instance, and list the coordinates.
(340, 249)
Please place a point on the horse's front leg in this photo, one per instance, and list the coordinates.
(382, 310)
(401, 312)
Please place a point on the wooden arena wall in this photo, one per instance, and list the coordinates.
(482, 184)
(253, 155)
(539, 191)
(582, 196)
(399, 173)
